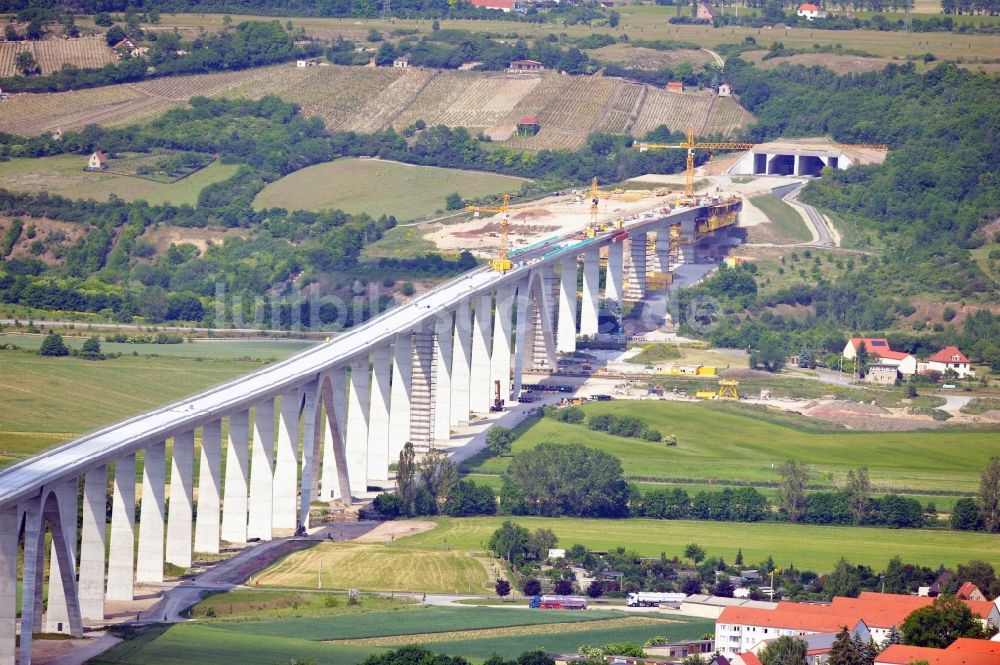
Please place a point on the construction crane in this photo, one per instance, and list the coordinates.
(595, 195)
(502, 262)
(690, 145)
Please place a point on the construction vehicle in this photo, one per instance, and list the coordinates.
(728, 389)
(502, 263)
(655, 599)
(595, 196)
(690, 145)
(497, 402)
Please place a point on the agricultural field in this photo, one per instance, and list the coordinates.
(841, 64)
(488, 101)
(64, 175)
(378, 567)
(406, 191)
(723, 445)
(52, 54)
(647, 58)
(726, 117)
(51, 400)
(566, 122)
(623, 109)
(675, 110)
(809, 547)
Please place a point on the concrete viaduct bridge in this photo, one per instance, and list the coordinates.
(408, 375)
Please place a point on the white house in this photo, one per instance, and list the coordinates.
(741, 629)
(98, 162)
(810, 11)
(950, 358)
(879, 352)
(725, 90)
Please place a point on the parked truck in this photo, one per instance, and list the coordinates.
(655, 599)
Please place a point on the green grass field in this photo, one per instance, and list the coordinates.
(64, 175)
(808, 547)
(376, 567)
(717, 443)
(406, 191)
(786, 219)
(47, 401)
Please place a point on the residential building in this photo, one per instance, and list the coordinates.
(810, 12)
(725, 90)
(882, 373)
(519, 66)
(740, 629)
(970, 591)
(705, 11)
(950, 358)
(818, 647)
(98, 162)
(506, 6)
(879, 351)
(963, 651)
(400, 63)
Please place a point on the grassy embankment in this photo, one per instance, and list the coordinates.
(786, 220)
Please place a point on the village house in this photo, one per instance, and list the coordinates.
(519, 66)
(810, 12)
(950, 358)
(725, 91)
(98, 162)
(879, 352)
(883, 374)
(126, 47)
(970, 591)
(506, 6)
(705, 11)
(400, 63)
(675, 86)
(963, 651)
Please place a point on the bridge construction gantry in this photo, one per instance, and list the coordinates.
(323, 425)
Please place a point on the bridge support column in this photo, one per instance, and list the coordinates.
(312, 426)
(261, 472)
(334, 483)
(688, 232)
(206, 527)
(149, 566)
(234, 503)
(461, 364)
(284, 489)
(121, 553)
(356, 444)
(444, 332)
(482, 341)
(31, 588)
(92, 545)
(662, 250)
(500, 359)
(181, 501)
(590, 304)
(378, 419)
(9, 536)
(521, 332)
(613, 278)
(57, 616)
(636, 289)
(422, 390)
(399, 402)
(566, 336)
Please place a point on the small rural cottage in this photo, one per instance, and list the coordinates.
(810, 11)
(527, 126)
(675, 86)
(97, 162)
(518, 66)
(506, 6)
(725, 90)
(705, 11)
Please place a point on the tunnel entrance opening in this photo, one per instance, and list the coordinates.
(781, 165)
(810, 165)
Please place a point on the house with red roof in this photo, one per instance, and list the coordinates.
(506, 6)
(950, 358)
(742, 629)
(705, 11)
(519, 66)
(963, 651)
(970, 591)
(98, 162)
(879, 352)
(528, 126)
(810, 11)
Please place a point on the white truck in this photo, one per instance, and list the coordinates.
(655, 599)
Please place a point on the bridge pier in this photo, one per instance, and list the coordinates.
(311, 451)
(589, 305)
(357, 426)
(480, 390)
(206, 527)
(10, 529)
(636, 269)
(284, 488)
(261, 478)
(461, 364)
(500, 359)
(121, 554)
(234, 502)
(378, 419)
(149, 565)
(57, 615)
(333, 393)
(179, 516)
(613, 277)
(661, 251)
(399, 402)
(443, 351)
(92, 545)
(566, 336)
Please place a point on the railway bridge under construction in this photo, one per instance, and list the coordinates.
(323, 425)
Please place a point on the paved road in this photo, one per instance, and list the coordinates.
(825, 239)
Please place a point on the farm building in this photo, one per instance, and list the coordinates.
(882, 374)
(725, 90)
(879, 352)
(400, 63)
(675, 86)
(506, 6)
(810, 11)
(126, 47)
(528, 126)
(98, 162)
(705, 11)
(517, 66)
(950, 358)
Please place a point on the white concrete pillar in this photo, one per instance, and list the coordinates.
(31, 588)
(149, 565)
(521, 345)
(92, 545)
(378, 417)
(57, 616)
(234, 503)
(356, 444)
(591, 302)
(662, 250)
(399, 402)
(285, 486)
(500, 358)
(480, 386)
(121, 553)
(444, 332)
(613, 278)
(334, 481)
(206, 527)
(181, 501)
(566, 332)
(461, 364)
(9, 534)
(637, 267)
(312, 427)
(261, 471)
(687, 244)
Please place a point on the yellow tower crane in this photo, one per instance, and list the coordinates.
(595, 195)
(501, 263)
(690, 145)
